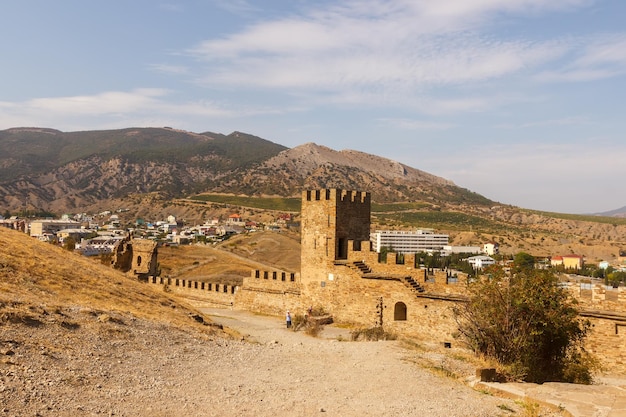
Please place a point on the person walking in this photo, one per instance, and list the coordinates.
(288, 319)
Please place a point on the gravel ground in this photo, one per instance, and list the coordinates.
(83, 363)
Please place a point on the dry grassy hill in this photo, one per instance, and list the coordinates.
(232, 260)
(39, 281)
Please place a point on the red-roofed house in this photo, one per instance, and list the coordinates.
(567, 261)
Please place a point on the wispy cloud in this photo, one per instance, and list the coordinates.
(236, 6)
(598, 58)
(111, 109)
(413, 124)
(170, 69)
(108, 107)
(352, 52)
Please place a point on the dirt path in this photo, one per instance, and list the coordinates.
(119, 365)
(287, 374)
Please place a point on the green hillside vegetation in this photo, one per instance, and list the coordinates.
(396, 207)
(39, 150)
(263, 203)
(580, 217)
(448, 220)
(414, 214)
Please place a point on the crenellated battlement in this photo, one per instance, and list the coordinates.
(174, 283)
(337, 195)
(275, 275)
(203, 293)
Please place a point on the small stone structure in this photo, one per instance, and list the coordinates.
(136, 256)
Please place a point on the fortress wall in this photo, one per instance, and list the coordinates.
(598, 297)
(356, 300)
(218, 295)
(335, 243)
(270, 292)
(607, 341)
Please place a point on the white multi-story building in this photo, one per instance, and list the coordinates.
(402, 241)
(480, 261)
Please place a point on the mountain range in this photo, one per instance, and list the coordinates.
(49, 170)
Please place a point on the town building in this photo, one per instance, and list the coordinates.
(567, 261)
(448, 250)
(51, 227)
(480, 261)
(491, 248)
(402, 241)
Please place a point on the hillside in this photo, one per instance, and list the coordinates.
(312, 166)
(40, 284)
(48, 170)
(232, 260)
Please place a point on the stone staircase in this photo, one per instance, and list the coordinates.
(414, 285)
(361, 267)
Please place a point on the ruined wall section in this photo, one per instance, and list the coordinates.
(437, 281)
(607, 341)
(352, 298)
(598, 297)
(136, 256)
(144, 262)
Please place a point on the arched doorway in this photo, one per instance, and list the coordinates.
(399, 311)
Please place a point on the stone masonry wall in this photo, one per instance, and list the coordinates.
(205, 294)
(270, 292)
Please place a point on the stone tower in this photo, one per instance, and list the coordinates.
(330, 219)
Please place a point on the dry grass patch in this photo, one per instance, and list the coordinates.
(36, 275)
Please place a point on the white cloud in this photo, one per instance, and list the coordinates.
(107, 110)
(170, 69)
(598, 58)
(413, 124)
(118, 109)
(356, 51)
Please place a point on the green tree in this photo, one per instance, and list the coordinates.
(523, 261)
(615, 278)
(528, 324)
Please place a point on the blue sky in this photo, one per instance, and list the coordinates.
(521, 101)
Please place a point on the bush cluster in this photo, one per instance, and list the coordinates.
(528, 324)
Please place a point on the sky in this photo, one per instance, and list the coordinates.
(521, 101)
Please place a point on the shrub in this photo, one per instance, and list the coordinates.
(527, 324)
(372, 334)
(310, 327)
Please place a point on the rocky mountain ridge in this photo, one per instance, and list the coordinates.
(49, 170)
